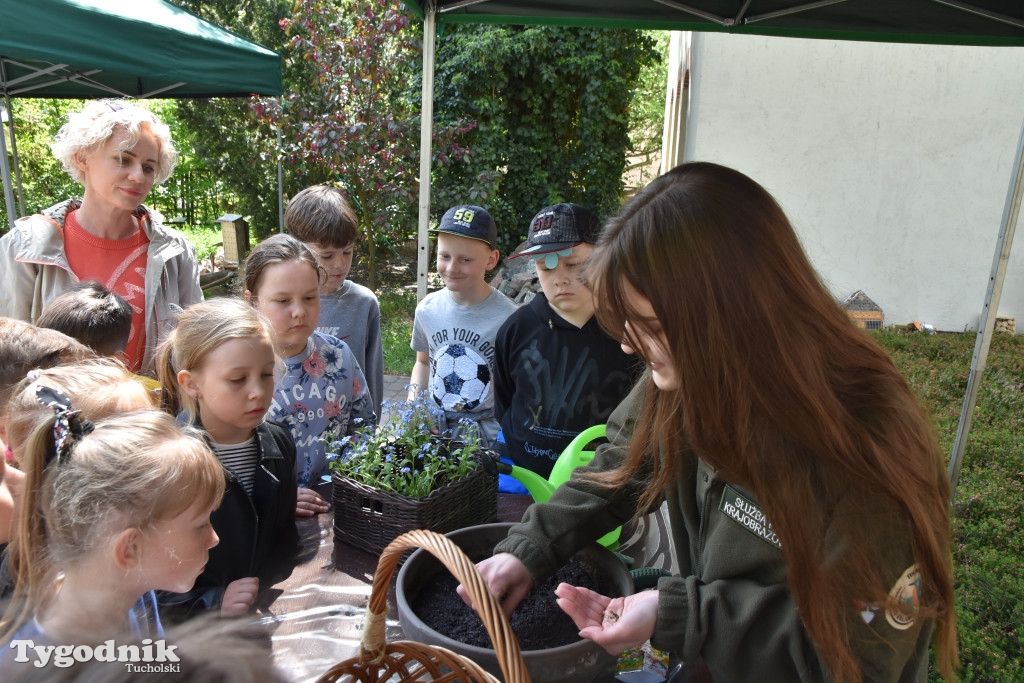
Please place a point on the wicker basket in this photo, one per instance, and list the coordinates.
(407, 661)
(369, 518)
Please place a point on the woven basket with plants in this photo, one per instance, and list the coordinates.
(402, 476)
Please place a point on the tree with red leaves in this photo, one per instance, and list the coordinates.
(354, 123)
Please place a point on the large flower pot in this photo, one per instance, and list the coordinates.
(578, 662)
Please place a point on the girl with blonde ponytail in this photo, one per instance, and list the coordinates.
(111, 511)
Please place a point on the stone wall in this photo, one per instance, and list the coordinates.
(517, 278)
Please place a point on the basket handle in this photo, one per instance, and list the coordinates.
(506, 647)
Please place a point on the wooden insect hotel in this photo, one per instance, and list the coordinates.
(864, 312)
(235, 233)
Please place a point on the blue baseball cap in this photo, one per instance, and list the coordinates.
(468, 220)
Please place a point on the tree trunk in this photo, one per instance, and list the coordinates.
(371, 255)
(366, 224)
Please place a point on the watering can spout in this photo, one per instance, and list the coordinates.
(539, 487)
(542, 488)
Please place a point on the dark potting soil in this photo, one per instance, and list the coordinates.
(538, 622)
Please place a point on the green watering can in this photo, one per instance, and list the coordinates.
(572, 457)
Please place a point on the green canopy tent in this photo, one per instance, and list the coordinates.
(121, 48)
(951, 22)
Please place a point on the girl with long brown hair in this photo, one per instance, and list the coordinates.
(805, 486)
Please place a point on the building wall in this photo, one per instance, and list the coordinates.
(892, 161)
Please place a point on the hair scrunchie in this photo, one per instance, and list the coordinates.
(68, 427)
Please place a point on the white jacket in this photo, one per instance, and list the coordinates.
(34, 269)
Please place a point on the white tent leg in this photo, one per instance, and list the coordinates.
(989, 311)
(5, 171)
(426, 131)
(14, 154)
(280, 183)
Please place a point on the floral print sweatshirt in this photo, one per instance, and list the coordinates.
(323, 392)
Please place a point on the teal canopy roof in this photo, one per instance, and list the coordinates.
(130, 48)
(961, 22)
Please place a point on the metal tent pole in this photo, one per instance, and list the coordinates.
(5, 170)
(14, 153)
(1011, 211)
(280, 181)
(426, 130)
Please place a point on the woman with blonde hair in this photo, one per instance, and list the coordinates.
(118, 151)
(806, 490)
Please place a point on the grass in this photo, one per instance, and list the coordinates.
(397, 306)
(988, 507)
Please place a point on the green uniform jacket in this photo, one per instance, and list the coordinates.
(731, 606)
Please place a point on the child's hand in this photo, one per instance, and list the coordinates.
(239, 596)
(310, 503)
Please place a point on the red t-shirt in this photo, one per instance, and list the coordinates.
(120, 266)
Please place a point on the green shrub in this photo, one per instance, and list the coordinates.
(204, 238)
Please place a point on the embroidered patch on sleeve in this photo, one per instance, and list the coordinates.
(748, 515)
(907, 592)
